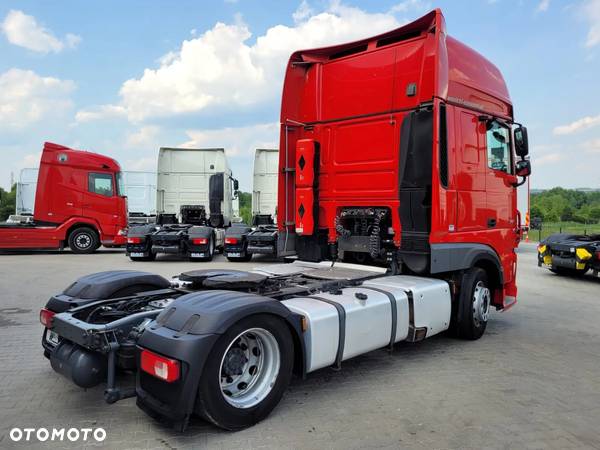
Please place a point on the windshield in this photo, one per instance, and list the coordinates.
(120, 185)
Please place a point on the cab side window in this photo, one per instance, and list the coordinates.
(101, 183)
(498, 148)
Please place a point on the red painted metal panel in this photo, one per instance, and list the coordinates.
(352, 98)
(305, 163)
(305, 219)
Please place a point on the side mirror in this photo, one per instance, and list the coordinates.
(521, 142)
(523, 168)
(236, 185)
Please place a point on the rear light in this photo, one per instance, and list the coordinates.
(231, 240)
(166, 369)
(199, 241)
(46, 317)
(134, 240)
(598, 255)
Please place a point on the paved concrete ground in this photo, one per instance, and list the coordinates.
(533, 380)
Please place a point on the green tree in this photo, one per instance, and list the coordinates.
(559, 204)
(8, 201)
(595, 213)
(246, 207)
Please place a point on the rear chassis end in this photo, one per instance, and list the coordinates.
(263, 240)
(184, 240)
(236, 241)
(91, 327)
(576, 254)
(242, 241)
(90, 353)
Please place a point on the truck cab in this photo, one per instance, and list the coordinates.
(418, 167)
(193, 179)
(195, 189)
(260, 236)
(78, 203)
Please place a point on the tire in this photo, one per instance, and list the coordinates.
(150, 257)
(258, 390)
(83, 240)
(474, 304)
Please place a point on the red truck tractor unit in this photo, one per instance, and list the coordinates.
(402, 147)
(78, 203)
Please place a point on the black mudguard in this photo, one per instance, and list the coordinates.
(187, 331)
(102, 285)
(240, 232)
(200, 232)
(141, 230)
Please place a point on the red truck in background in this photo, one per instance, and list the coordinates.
(78, 203)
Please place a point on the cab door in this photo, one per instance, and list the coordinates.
(101, 200)
(500, 207)
(470, 176)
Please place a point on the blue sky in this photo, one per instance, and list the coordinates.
(124, 78)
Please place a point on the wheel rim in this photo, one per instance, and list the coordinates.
(249, 368)
(481, 303)
(83, 241)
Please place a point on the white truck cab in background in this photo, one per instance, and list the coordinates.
(264, 187)
(194, 177)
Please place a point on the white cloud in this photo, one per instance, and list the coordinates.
(221, 68)
(303, 12)
(99, 113)
(579, 125)
(591, 13)
(147, 164)
(31, 160)
(146, 137)
(592, 146)
(409, 6)
(550, 158)
(543, 6)
(23, 30)
(239, 141)
(26, 97)
(239, 144)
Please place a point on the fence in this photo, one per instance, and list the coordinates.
(548, 228)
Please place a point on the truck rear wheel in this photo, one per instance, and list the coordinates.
(474, 304)
(247, 372)
(83, 240)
